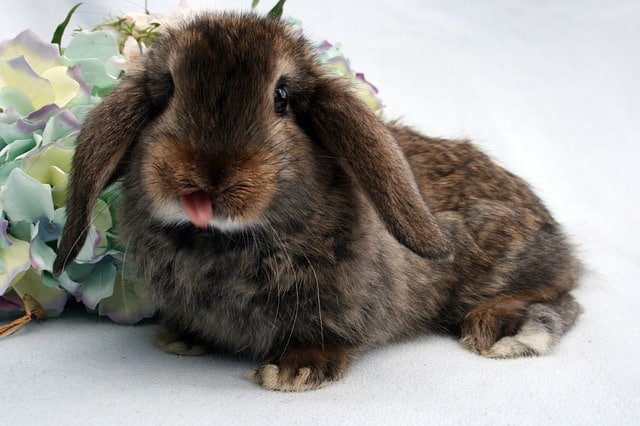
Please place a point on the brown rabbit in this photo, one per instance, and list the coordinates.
(273, 215)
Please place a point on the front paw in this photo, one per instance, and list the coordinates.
(175, 343)
(300, 369)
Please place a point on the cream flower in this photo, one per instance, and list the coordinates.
(33, 67)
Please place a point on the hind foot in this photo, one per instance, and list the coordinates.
(486, 324)
(544, 324)
(529, 341)
(175, 343)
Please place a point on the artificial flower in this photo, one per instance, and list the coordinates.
(37, 142)
(331, 55)
(32, 67)
(96, 54)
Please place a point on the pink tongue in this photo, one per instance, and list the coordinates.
(198, 207)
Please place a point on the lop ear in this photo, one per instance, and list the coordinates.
(343, 124)
(107, 134)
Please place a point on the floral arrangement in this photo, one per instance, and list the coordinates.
(46, 91)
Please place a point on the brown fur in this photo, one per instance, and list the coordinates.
(333, 231)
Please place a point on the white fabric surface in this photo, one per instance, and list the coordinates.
(550, 88)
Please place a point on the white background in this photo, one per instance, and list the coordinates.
(550, 88)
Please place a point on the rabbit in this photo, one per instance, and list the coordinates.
(273, 216)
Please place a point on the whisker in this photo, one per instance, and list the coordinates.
(317, 283)
(291, 267)
(315, 275)
(295, 317)
(122, 275)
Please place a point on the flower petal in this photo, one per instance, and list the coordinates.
(48, 230)
(63, 280)
(65, 88)
(16, 260)
(92, 51)
(19, 207)
(17, 73)
(52, 299)
(94, 247)
(98, 284)
(41, 255)
(12, 99)
(41, 55)
(101, 216)
(47, 164)
(60, 126)
(19, 130)
(130, 50)
(84, 94)
(95, 74)
(4, 238)
(42, 115)
(130, 302)
(16, 149)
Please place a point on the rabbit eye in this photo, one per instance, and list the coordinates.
(280, 100)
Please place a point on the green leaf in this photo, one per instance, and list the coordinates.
(254, 4)
(276, 12)
(59, 32)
